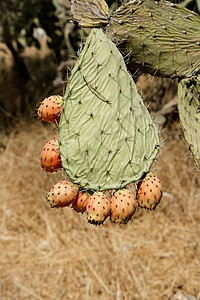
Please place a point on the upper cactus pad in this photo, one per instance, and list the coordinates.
(159, 37)
(107, 137)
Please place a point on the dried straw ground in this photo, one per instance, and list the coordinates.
(55, 254)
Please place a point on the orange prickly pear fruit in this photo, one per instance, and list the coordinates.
(50, 109)
(79, 205)
(123, 206)
(97, 208)
(149, 192)
(62, 194)
(50, 156)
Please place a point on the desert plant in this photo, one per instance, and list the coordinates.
(107, 139)
(157, 37)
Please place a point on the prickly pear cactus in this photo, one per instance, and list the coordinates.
(189, 113)
(107, 137)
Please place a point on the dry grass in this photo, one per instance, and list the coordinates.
(55, 254)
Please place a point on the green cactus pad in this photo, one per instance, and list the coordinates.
(189, 113)
(107, 137)
(159, 37)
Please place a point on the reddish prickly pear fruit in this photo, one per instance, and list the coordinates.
(149, 192)
(79, 205)
(62, 194)
(123, 206)
(50, 109)
(97, 208)
(50, 156)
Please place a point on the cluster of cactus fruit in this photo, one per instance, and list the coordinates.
(120, 206)
(107, 139)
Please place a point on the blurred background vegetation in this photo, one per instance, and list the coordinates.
(37, 40)
(38, 46)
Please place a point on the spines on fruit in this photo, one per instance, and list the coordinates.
(97, 208)
(51, 108)
(62, 194)
(123, 206)
(79, 205)
(50, 156)
(149, 191)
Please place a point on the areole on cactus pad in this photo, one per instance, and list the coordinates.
(107, 137)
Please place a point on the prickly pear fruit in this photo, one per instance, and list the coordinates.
(149, 192)
(50, 109)
(62, 194)
(97, 208)
(50, 156)
(123, 206)
(79, 205)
